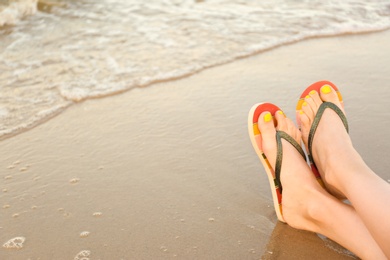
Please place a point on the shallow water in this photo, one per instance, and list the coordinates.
(88, 49)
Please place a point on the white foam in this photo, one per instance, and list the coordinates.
(89, 49)
(16, 10)
(4, 112)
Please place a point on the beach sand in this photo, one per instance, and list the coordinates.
(168, 171)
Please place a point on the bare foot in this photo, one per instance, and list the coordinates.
(300, 187)
(331, 144)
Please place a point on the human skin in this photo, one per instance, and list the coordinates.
(306, 205)
(343, 170)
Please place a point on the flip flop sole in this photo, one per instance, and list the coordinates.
(255, 137)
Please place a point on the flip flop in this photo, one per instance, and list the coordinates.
(255, 137)
(317, 86)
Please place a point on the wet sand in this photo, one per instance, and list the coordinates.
(168, 171)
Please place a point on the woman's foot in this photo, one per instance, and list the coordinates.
(305, 204)
(345, 174)
(331, 145)
(301, 191)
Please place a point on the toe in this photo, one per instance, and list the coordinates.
(266, 125)
(310, 101)
(293, 131)
(329, 94)
(316, 100)
(268, 132)
(308, 110)
(305, 126)
(281, 121)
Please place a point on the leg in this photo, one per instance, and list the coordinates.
(344, 171)
(306, 205)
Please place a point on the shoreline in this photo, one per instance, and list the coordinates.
(9, 133)
(170, 166)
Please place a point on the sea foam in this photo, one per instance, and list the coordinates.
(10, 14)
(89, 49)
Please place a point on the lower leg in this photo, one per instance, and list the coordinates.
(306, 205)
(369, 195)
(342, 224)
(344, 171)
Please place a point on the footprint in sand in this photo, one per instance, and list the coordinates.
(83, 255)
(14, 243)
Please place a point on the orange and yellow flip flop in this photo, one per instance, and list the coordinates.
(256, 139)
(317, 87)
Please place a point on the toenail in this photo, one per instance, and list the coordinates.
(326, 89)
(282, 113)
(312, 92)
(307, 97)
(301, 112)
(304, 104)
(267, 117)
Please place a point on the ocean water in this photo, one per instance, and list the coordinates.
(81, 49)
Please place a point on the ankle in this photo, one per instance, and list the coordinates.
(318, 210)
(315, 206)
(340, 168)
(311, 212)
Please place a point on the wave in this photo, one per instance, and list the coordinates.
(92, 49)
(11, 13)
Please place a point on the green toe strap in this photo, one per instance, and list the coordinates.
(279, 154)
(317, 119)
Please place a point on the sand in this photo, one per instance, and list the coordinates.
(168, 171)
